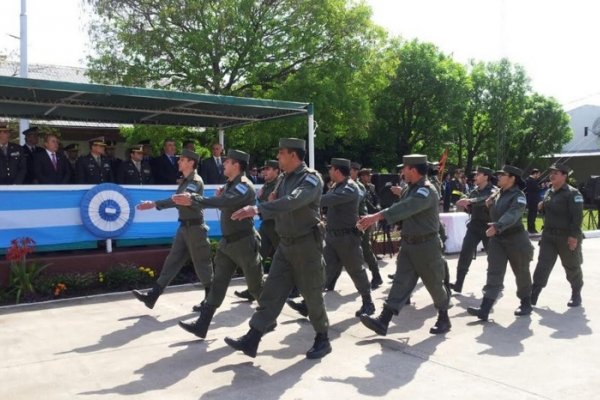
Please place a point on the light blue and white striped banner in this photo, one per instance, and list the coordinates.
(51, 215)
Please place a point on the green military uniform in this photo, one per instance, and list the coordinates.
(365, 242)
(478, 224)
(239, 244)
(191, 239)
(268, 235)
(421, 251)
(510, 244)
(563, 214)
(342, 239)
(298, 259)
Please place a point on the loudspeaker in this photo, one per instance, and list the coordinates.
(382, 183)
(591, 190)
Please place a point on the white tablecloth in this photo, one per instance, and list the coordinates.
(456, 228)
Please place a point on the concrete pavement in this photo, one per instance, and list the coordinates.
(113, 347)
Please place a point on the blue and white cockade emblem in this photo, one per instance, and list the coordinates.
(107, 210)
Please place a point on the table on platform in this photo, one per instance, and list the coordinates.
(456, 228)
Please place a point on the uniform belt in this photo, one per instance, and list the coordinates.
(191, 222)
(289, 240)
(234, 237)
(512, 230)
(342, 232)
(557, 231)
(416, 239)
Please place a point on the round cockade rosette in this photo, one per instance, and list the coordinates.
(107, 210)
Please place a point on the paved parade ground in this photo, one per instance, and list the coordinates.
(111, 346)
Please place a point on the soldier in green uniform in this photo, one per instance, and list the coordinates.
(268, 237)
(563, 212)
(478, 224)
(342, 238)
(191, 239)
(371, 202)
(298, 259)
(509, 242)
(239, 243)
(421, 250)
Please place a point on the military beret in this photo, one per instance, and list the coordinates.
(365, 171)
(292, 143)
(564, 168)
(509, 169)
(98, 141)
(414, 159)
(485, 171)
(29, 131)
(138, 149)
(190, 155)
(339, 162)
(271, 164)
(238, 155)
(72, 146)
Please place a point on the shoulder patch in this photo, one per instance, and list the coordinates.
(350, 188)
(423, 191)
(240, 187)
(191, 187)
(578, 199)
(521, 200)
(313, 180)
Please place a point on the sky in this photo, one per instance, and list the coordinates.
(556, 41)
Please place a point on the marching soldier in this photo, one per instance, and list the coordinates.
(135, 171)
(239, 243)
(480, 218)
(563, 212)
(299, 256)
(94, 168)
(13, 162)
(509, 242)
(421, 250)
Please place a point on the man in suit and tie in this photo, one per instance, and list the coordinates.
(164, 167)
(50, 166)
(212, 168)
(29, 149)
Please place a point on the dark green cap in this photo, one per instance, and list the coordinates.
(292, 143)
(339, 162)
(190, 155)
(485, 171)
(564, 168)
(238, 155)
(414, 159)
(271, 164)
(355, 165)
(509, 169)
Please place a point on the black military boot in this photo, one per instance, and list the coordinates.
(460, 279)
(535, 294)
(149, 298)
(376, 281)
(247, 343)
(200, 326)
(367, 307)
(442, 324)
(380, 324)
(320, 348)
(300, 307)
(525, 307)
(244, 294)
(575, 298)
(482, 312)
(198, 307)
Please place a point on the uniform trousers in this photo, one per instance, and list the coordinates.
(345, 251)
(551, 247)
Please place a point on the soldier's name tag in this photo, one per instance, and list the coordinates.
(350, 188)
(578, 199)
(312, 180)
(15, 154)
(423, 192)
(240, 187)
(191, 188)
(521, 200)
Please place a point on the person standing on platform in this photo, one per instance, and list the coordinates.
(509, 242)
(165, 167)
(50, 166)
(562, 208)
(191, 238)
(478, 224)
(532, 191)
(13, 162)
(29, 149)
(135, 171)
(94, 168)
(299, 256)
(72, 153)
(212, 167)
(239, 244)
(420, 253)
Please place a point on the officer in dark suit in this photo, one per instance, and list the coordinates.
(13, 162)
(115, 162)
(72, 153)
(135, 171)
(29, 149)
(94, 168)
(51, 166)
(164, 167)
(212, 168)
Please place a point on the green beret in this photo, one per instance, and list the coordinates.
(414, 159)
(190, 155)
(340, 162)
(238, 155)
(292, 143)
(271, 164)
(564, 168)
(485, 171)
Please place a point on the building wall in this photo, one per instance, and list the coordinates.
(582, 117)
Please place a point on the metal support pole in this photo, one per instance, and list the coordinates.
(311, 136)
(23, 66)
